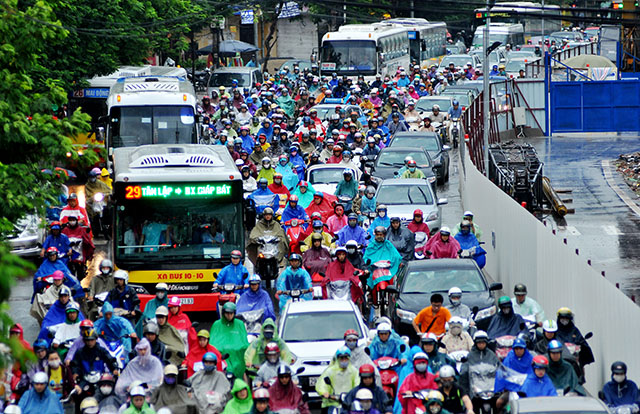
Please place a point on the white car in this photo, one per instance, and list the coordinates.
(314, 330)
(326, 177)
(27, 236)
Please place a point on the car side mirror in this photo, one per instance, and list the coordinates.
(446, 148)
(442, 201)
(100, 134)
(495, 286)
(392, 290)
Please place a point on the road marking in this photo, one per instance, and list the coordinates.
(612, 230)
(606, 170)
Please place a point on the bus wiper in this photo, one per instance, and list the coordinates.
(409, 195)
(177, 134)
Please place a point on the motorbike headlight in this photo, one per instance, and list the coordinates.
(432, 180)
(432, 216)
(98, 197)
(485, 313)
(405, 315)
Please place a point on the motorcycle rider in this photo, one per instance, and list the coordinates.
(69, 330)
(429, 345)
(432, 318)
(355, 256)
(387, 344)
(338, 220)
(455, 110)
(402, 239)
(457, 308)
(48, 268)
(170, 336)
(93, 187)
(418, 224)
(317, 228)
(161, 299)
(228, 335)
(267, 171)
(442, 245)
(506, 322)
(284, 394)
(317, 258)
(61, 378)
(91, 357)
(382, 249)
(343, 377)
(171, 395)
(234, 273)
(359, 356)
(352, 232)
(139, 404)
(58, 240)
(256, 298)
(255, 354)
(144, 367)
(103, 281)
(158, 349)
(124, 298)
(263, 197)
(267, 226)
(420, 379)
(436, 115)
(293, 277)
(468, 215)
(193, 361)
(57, 313)
(525, 306)
(561, 372)
(519, 358)
(538, 383)
(479, 354)
(260, 402)
(269, 369)
(294, 211)
(620, 390)
(43, 301)
(456, 338)
(105, 395)
(209, 380)
(381, 219)
(369, 392)
(342, 269)
(569, 332)
(348, 186)
(115, 328)
(412, 171)
(435, 403)
(40, 399)
(249, 184)
(456, 400)
(73, 209)
(549, 330)
(468, 241)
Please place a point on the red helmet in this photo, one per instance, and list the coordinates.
(86, 323)
(367, 370)
(271, 348)
(411, 163)
(293, 198)
(350, 332)
(53, 224)
(52, 250)
(540, 361)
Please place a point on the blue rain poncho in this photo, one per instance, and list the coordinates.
(259, 299)
(115, 329)
(382, 251)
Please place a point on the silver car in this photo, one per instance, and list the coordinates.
(27, 236)
(403, 196)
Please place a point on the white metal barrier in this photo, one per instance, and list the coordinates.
(521, 249)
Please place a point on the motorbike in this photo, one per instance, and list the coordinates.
(482, 379)
(455, 127)
(295, 294)
(339, 289)
(421, 240)
(295, 232)
(440, 130)
(252, 323)
(381, 277)
(504, 345)
(338, 398)
(267, 261)
(227, 294)
(574, 351)
(388, 375)
(99, 223)
(346, 202)
(117, 351)
(76, 263)
(477, 253)
(460, 357)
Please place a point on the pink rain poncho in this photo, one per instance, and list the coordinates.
(145, 368)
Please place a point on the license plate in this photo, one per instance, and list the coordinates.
(313, 381)
(186, 301)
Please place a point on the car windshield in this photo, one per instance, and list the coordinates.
(458, 61)
(515, 66)
(426, 104)
(404, 194)
(441, 280)
(319, 326)
(503, 38)
(396, 158)
(326, 111)
(463, 97)
(326, 176)
(429, 143)
(132, 126)
(226, 79)
(522, 54)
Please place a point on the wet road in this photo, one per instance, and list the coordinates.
(604, 228)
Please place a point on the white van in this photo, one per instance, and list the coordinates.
(246, 76)
(505, 33)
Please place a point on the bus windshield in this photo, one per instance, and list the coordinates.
(349, 57)
(168, 230)
(132, 126)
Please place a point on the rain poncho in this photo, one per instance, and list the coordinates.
(263, 198)
(304, 199)
(194, 358)
(528, 308)
(67, 331)
(522, 364)
(538, 387)
(562, 374)
(236, 274)
(259, 299)
(475, 357)
(55, 316)
(439, 359)
(441, 249)
(47, 402)
(47, 268)
(368, 205)
(272, 228)
(267, 173)
(511, 324)
(145, 409)
(316, 260)
(390, 348)
(150, 312)
(287, 397)
(335, 223)
(296, 212)
(357, 233)
(254, 354)
(453, 343)
(382, 251)
(230, 338)
(623, 393)
(287, 104)
(145, 368)
(298, 163)
(203, 382)
(347, 188)
(570, 333)
(289, 178)
(378, 221)
(236, 405)
(182, 323)
(115, 329)
(293, 279)
(359, 358)
(325, 208)
(416, 381)
(342, 271)
(175, 397)
(172, 339)
(342, 380)
(403, 240)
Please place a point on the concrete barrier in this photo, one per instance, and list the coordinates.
(521, 249)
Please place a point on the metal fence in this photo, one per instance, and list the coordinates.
(536, 68)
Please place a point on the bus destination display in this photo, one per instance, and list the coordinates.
(136, 192)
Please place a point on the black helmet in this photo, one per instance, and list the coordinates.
(284, 370)
(520, 289)
(380, 229)
(295, 256)
(619, 367)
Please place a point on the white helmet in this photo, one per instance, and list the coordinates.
(446, 371)
(40, 378)
(381, 320)
(456, 320)
(455, 290)
(121, 274)
(137, 390)
(384, 328)
(364, 394)
(549, 326)
(12, 409)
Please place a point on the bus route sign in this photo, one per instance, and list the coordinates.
(176, 191)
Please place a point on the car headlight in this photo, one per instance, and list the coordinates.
(405, 315)
(432, 216)
(139, 289)
(485, 313)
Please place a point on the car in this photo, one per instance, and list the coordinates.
(403, 196)
(429, 141)
(27, 236)
(558, 37)
(425, 103)
(326, 177)
(514, 66)
(326, 110)
(245, 75)
(495, 58)
(522, 54)
(474, 89)
(592, 33)
(464, 97)
(302, 64)
(419, 279)
(460, 61)
(390, 160)
(314, 330)
(555, 405)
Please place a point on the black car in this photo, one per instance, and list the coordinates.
(390, 160)
(429, 141)
(417, 281)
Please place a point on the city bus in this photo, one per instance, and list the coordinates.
(427, 40)
(365, 49)
(528, 14)
(178, 214)
(151, 110)
(505, 33)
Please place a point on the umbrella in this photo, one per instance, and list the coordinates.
(593, 61)
(58, 170)
(229, 48)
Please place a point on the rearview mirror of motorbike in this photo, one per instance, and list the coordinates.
(367, 350)
(495, 286)
(392, 290)
(327, 380)
(589, 335)
(300, 370)
(403, 348)
(446, 148)
(225, 356)
(195, 324)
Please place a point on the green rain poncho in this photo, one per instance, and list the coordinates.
(236, 405)
(255, 352)
(304, 199)
(231, 337)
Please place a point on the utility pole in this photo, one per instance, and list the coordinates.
(193, 58)
(542, 27)
(485, 90)
(413, 14)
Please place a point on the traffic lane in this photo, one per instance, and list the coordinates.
(453, 210)
(603, 228)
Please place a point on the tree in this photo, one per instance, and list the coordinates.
(31, 138)
(271, 16)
